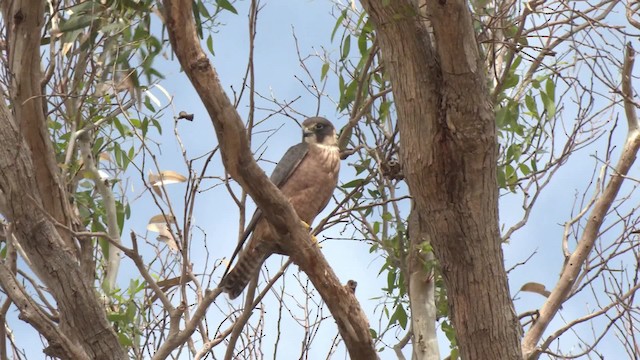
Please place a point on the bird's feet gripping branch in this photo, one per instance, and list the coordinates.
(314, 239)
(307, 175)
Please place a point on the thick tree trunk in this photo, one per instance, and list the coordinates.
(35, 200)
(82, 318)
(449, 151)
(25, 20)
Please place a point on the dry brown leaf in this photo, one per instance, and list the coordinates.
(537, 288)
(157, 222)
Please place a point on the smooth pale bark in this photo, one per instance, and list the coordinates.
(421, 293)
(239, 162)
(449, 152)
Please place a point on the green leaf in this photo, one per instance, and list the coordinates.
(324, 71)
(225, 4)
(119, 126)
(348, 95)
(338, 23)
(346, 47)
(203, 10)
(502, 181)
(353, 183)
(120, 216)
(511, 81)
(400, 315)
(76, 22)
(148, 104)
(549, 104)
(509, 171)
(124, 340)
(136, 123)
(501, 115)
(530, 102)
(373, 333)
(210, 45)
(384, 109)
(391, 281)
(115, 317)
(117, 151)
(516, 62)
(157, 125)
(550, 88)
(362, 44)
(144, 126)
(131, 312)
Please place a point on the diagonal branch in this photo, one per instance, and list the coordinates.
(32, 314)
(239, 162)
(591, 231)
(28, 170)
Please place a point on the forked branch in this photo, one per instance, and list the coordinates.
(591, 231)
(239, 162)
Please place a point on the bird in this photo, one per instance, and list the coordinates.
(306, 175)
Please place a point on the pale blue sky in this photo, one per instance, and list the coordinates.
(276, 68)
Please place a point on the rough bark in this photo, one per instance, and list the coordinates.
(239, 162)
(24, 21)
(449, 151)
(82, 318)
(35, 200)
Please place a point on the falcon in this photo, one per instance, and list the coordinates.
(307, 174)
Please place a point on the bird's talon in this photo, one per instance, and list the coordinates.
(306, 226)
(313, 238)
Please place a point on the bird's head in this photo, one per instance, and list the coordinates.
(320, 131)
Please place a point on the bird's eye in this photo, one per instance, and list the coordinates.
(319, 126)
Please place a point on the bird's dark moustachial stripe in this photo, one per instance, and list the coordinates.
(307, 175)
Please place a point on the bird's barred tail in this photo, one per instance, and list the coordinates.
(238, 278)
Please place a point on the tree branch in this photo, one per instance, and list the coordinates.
(627, 90)
(51, 258)
(448, 135)
(239, 162)
(32, 314)
(601, 206)
(109, 201)
(26, 19)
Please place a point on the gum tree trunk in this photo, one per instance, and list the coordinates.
(449, 152)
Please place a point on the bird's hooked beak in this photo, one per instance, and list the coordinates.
(306, 132)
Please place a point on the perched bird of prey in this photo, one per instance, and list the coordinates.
(307, 174)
